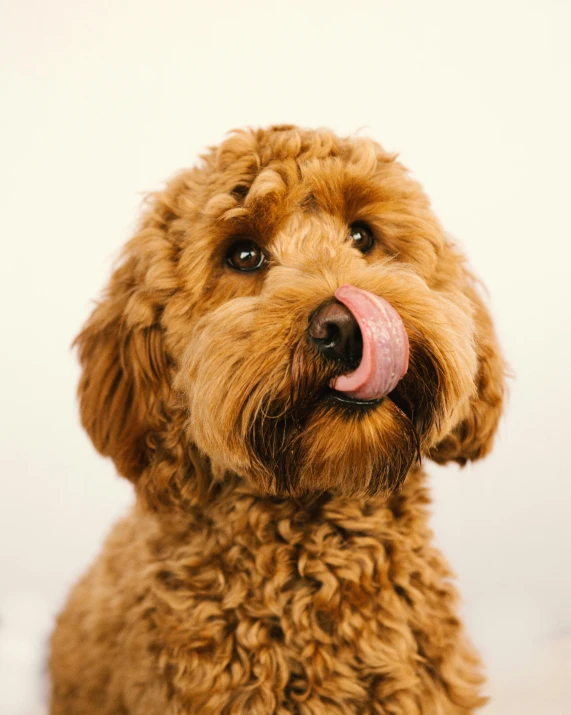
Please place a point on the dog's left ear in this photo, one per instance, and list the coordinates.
(473, 436)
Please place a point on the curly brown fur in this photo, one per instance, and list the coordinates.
(278, 558)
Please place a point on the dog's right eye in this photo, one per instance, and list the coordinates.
(245, 255)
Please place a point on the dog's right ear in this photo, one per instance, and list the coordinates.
(127, 403)
(123, 375)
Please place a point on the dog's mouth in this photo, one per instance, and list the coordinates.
(347, 401)
(357, 404)
(384, 347)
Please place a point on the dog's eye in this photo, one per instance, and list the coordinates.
(361, 236)
(245, 255)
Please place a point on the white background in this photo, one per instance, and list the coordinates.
(103, 100)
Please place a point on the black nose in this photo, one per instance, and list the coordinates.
(336, 334)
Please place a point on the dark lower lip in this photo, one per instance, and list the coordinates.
(351, 401)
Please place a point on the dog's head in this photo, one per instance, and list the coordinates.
(289, 311)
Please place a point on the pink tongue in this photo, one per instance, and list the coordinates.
(385, 346)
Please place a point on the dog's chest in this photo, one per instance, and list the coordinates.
(306, 602)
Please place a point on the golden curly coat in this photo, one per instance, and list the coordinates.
(278, 559)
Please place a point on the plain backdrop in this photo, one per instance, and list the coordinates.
(101, 101)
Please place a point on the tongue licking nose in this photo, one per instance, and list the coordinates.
(385, 346)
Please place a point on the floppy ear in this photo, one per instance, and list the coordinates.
(126, 400)
(124, 374)
(472, 438)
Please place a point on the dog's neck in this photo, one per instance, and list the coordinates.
(232, 508)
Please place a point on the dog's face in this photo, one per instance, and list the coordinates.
(291, 310)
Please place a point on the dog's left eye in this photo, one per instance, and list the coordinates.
(245, 255)
(361, 236)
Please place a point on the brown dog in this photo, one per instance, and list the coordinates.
(287, 335)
